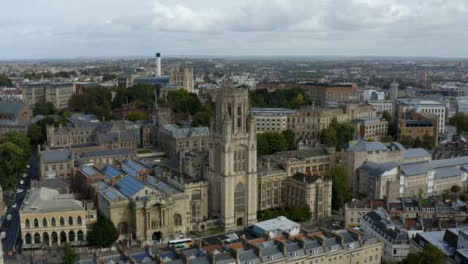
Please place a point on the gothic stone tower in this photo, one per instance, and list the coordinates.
(233, 160)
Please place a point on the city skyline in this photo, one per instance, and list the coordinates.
(242, 28)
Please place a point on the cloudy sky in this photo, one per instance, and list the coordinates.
(67, 29)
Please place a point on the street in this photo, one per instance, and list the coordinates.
(12, 241)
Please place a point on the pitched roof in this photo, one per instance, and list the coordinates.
(129, 186)
(377, 169)
(416, 153)
(364, 146)
(56, 155)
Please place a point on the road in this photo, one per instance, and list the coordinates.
(12, 240)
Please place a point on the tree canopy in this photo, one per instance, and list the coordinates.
(289, 98)
(5, 81)
(429, 255)
(93, 101)
(15, 151)
(337, 134)
(181, 101)
(44, 108)
(426, 142)
(271, 142)
(103, 233)
(460, 121)
(69, 254)
(341, 191)
(300, 214)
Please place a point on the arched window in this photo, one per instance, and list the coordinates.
(62, 221)
(239, 198)
(36, 223)
(80, 235)
(70, 220)
(27, 223)
(37, 238)
(44, 222)
(53, 222)
(71, 236)
(177, 220)
(27, 239)
(79, 221)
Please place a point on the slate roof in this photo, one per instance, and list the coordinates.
(108, 152)
(129, 186)
(248, 255)
(60, 155)
(415, 168)
(416, 153)
(11, 108)
(365, 146)
(88, 170)
(184, 132)
(447, 172)
(377, 169)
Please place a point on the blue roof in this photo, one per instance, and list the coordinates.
(161, 186)
(377, 169)
(129, 186)
(110, 192)
(110, 171)
(88, 170)
(133, 164)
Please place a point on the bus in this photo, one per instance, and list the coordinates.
(181, 243)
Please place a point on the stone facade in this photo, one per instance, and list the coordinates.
(56, 163)
(233, 160)
(276, 186)
(56, 92)
(311, 121)
(371, 128)
(182, 76)
(176, 140)
(272, 119)
(52, 219)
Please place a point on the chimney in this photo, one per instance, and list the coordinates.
(158, 64)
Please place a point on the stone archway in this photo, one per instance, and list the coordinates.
(63, 237)
(240, 221)
(45, 239)
(54, 238)
(157, 236)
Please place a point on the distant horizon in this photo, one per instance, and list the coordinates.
(269, 57)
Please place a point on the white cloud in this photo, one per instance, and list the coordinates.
(57, 28)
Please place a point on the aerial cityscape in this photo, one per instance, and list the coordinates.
(198, 132)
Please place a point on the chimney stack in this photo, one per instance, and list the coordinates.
(158, 64)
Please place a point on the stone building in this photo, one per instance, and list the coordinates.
(371, 128)
(148, 209)
(49, 218)
(57, 163)
(102, 158)
(277, 186)
(425, 106)
(182, 76)
(272, 119)
(313, 190)
(311, 121)
(361, 151)
(175, 140)
(233, 160)
(14, 116)
(56, 92)
(376, 179)
(417, 125)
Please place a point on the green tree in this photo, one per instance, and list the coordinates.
(290, 138)
(5, 81)
(19, 139)
(69, 254)
(44, 108)
(14, 153)
(201, 119)
(181, 101)
(455, 189)
(464, 197)
(460, 121)
(263, 147)
(428, 142)
(386, 139)
(418, 143)
(93, 101)
(271, 142)
(137, 115)
(429, 255)
(391, 124)
(407, 141)
(328, 137)
(109, 77)
(35, 134)
(341, 191)
(103, 233)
